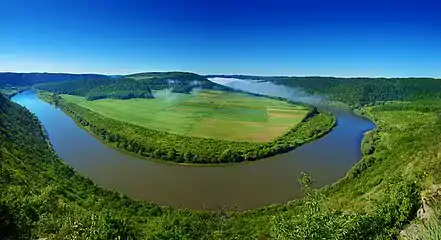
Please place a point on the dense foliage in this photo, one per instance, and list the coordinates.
(43, 197)
(8, 79)
(358, 92)
(100, 88)
(130, 86)
(179, 148)
(9, 92)
(181, 82)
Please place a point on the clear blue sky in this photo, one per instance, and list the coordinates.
(308, 37)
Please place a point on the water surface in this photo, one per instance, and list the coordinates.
(246, 185)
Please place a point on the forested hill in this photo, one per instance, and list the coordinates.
(123, 88)
(131, 86)
(182, 82)
(9, 79)
(360, 91)
(42, 197)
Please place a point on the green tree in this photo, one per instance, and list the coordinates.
(171, 154)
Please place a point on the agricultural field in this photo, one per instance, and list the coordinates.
(206, 113)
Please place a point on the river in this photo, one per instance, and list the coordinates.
(243, 186)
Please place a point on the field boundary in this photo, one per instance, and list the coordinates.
(176, 148)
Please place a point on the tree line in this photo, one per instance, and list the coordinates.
(100, 88)
(179, 148)
(360, 91)
(131, 86)
(10, 79)
(42, 197)
(179, 82)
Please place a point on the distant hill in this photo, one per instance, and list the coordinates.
(100, 88)
(245, 77)
(358, 91)
(9, 79)
(130, 86)
(182, 82)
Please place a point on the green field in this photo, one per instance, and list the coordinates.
(212, 114)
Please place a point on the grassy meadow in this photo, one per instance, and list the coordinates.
(206, 113)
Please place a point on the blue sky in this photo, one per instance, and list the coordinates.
(308, 37)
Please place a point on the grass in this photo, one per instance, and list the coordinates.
(375, 200)
(212, 114)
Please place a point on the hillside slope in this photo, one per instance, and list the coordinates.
(131, 86)
(182, 82)
(359, 91)
(43, 197)
(8, 79)
(93, 89)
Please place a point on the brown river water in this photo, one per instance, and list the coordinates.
(244, 185)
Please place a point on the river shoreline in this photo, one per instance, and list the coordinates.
(250, 185)
(44, 96)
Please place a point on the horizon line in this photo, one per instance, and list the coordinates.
(219, 74)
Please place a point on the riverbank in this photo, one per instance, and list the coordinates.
(176, 185)
(360, 207)
(192, 150)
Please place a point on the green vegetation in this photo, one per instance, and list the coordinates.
(380, 195)
(180, 127)
(9, 92)
(180, 82)
(207, 113)
(43, 197)
(131, 86)
(9, 79)
(100, 88)
(358, 92)
(179, 148)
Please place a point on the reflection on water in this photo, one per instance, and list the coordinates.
(248, 185)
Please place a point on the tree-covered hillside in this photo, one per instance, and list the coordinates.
(182, 82)
(358, 92)
(42, 197)
(361, 91)
(131, 86)
(94, 89)
(9, 79)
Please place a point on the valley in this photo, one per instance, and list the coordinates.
(190, 120)
(382, 190)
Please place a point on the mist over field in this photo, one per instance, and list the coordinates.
(167, 94)
(270, 89)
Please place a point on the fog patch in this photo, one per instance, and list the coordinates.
(172, 82)
(195, 83)
(195, 91)
(167, 94)
(270, 89)
(224, 81)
